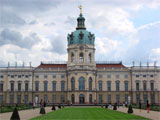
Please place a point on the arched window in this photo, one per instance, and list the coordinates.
(90, 83)
(81, 58)
(72, 57)
(90, 58)
(90, 98)
(81, 83)
(117, 85)
(72, 98)
(72, 83)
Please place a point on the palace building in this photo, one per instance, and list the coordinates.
(80, 80)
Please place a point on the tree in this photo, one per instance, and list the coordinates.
(130, 110)
(15, 115)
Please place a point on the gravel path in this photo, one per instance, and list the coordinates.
(24, 114)
(154, 115)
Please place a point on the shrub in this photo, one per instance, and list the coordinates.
(106, 106)
(15, 115)
(115, 107)
(130, 110)
(42, 111)
(53, 107)
(59, 106)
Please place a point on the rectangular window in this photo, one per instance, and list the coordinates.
(109, 86)
(137, 86)
(100, 99)
(108, 76)
(36, 86)
(144, 86)
(37, 76)
(26, 76)
(126, 98)
(152, 98)
(99, 76)
(152, 85)
(126, 76)
(45, 76)
(54, 86)
(137, 76)
(62, 76)
(151, 76)
(11, 99)
(144, 98)
(45, 86)
(109, 98)
(26, 99)
(1, 87)
(100, 86)
(12, 86)
(19, 76)
(53, 99)
(126, 86)
(19, 99)
(26, 86)
(118, 98)
(118, 86)
(1, 99)
(62, 99)
(137, 98)
(19, 86)
(144, 76)
(54, 76)
(45, 98)
(62, 86)
(12, 76)
(1, 76)
(117, 76)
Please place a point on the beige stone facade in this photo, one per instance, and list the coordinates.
(80, 80)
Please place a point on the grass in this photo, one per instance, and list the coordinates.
(88, 114)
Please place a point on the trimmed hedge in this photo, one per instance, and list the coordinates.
(10, 108)
(152, 107)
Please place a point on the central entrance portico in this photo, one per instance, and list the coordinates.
(81, 99)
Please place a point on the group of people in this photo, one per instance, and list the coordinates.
(147, 105)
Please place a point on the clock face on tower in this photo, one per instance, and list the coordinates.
(81, 47)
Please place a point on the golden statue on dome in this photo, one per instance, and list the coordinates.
(80, 7)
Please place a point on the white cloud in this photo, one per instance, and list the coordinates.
(155, 54)
(51, 21)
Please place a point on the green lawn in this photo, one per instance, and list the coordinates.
(88, 114)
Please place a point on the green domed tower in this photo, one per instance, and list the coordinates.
(81, 49)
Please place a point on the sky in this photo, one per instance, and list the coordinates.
(36, 30)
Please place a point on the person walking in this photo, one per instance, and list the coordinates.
(140, 105)
(148, 106)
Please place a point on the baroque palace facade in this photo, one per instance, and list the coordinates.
(81, 80)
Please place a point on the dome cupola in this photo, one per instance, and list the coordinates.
(81, 35)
